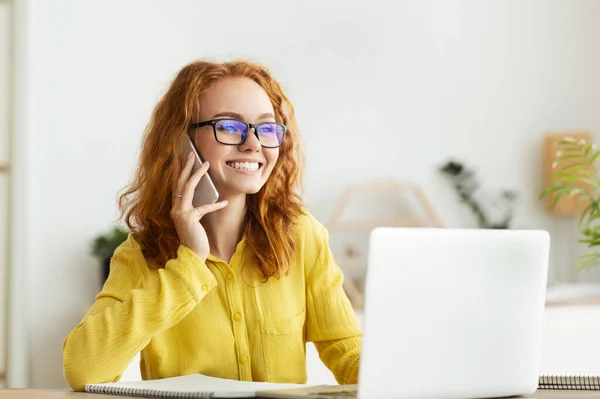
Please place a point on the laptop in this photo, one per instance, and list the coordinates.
(452, 313)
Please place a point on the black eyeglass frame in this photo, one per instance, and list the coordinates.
(255, 126)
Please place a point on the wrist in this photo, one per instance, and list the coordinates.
(200, 254)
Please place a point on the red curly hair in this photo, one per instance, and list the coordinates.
(270, 215)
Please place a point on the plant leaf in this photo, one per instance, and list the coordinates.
(568, 142)
(585, 212)
(574, 165)
(594, 158)
(566, 157)
(588, 149)
(584, 168)
(587, 260)
(551, 188)
(561, 193)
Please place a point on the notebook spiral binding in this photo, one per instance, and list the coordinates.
(147, 393)
(570, 382)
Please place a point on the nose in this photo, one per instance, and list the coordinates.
(251, 144)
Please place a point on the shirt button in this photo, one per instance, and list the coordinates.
(243, 359)
(230, 276)
(204, 288)
(237, 316)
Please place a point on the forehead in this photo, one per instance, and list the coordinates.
(238, 94)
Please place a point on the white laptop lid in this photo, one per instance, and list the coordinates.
(453, 313)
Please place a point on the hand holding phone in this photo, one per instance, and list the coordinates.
(186, 217)
(205, 192)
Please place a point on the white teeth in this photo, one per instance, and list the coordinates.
(251, 166)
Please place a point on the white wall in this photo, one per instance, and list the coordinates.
(4, 147)
(384, 89)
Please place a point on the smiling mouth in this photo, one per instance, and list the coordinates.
(247, 166)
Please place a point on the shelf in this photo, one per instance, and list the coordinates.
(574, 294)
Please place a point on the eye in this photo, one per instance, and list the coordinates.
(267, 129)
(226, 128)
(230, 127)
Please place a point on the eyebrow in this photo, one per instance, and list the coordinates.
(267, 115)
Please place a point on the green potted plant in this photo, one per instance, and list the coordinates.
(465, 182)
(104, 246)
(578, 178)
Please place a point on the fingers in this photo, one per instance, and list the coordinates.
(185, 173)
(203, 210)
(190, 186)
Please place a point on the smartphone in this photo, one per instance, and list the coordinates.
(205, 192)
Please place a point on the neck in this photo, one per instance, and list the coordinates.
(224, 228)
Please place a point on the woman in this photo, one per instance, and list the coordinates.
(232, 289)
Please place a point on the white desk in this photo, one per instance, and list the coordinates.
(571, 345)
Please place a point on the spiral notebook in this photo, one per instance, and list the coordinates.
(546, 382)
(189, 386)
(570, 382)
(201, 386)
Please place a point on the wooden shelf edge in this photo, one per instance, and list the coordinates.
(573, 302)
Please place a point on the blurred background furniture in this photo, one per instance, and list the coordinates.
(364, 206)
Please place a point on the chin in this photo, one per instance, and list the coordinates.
(251, 190)
(234, 189)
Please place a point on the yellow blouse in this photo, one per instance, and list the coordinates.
(217, 319)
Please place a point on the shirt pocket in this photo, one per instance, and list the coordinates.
(284, 348)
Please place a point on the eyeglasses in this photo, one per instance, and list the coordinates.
(235, 132)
